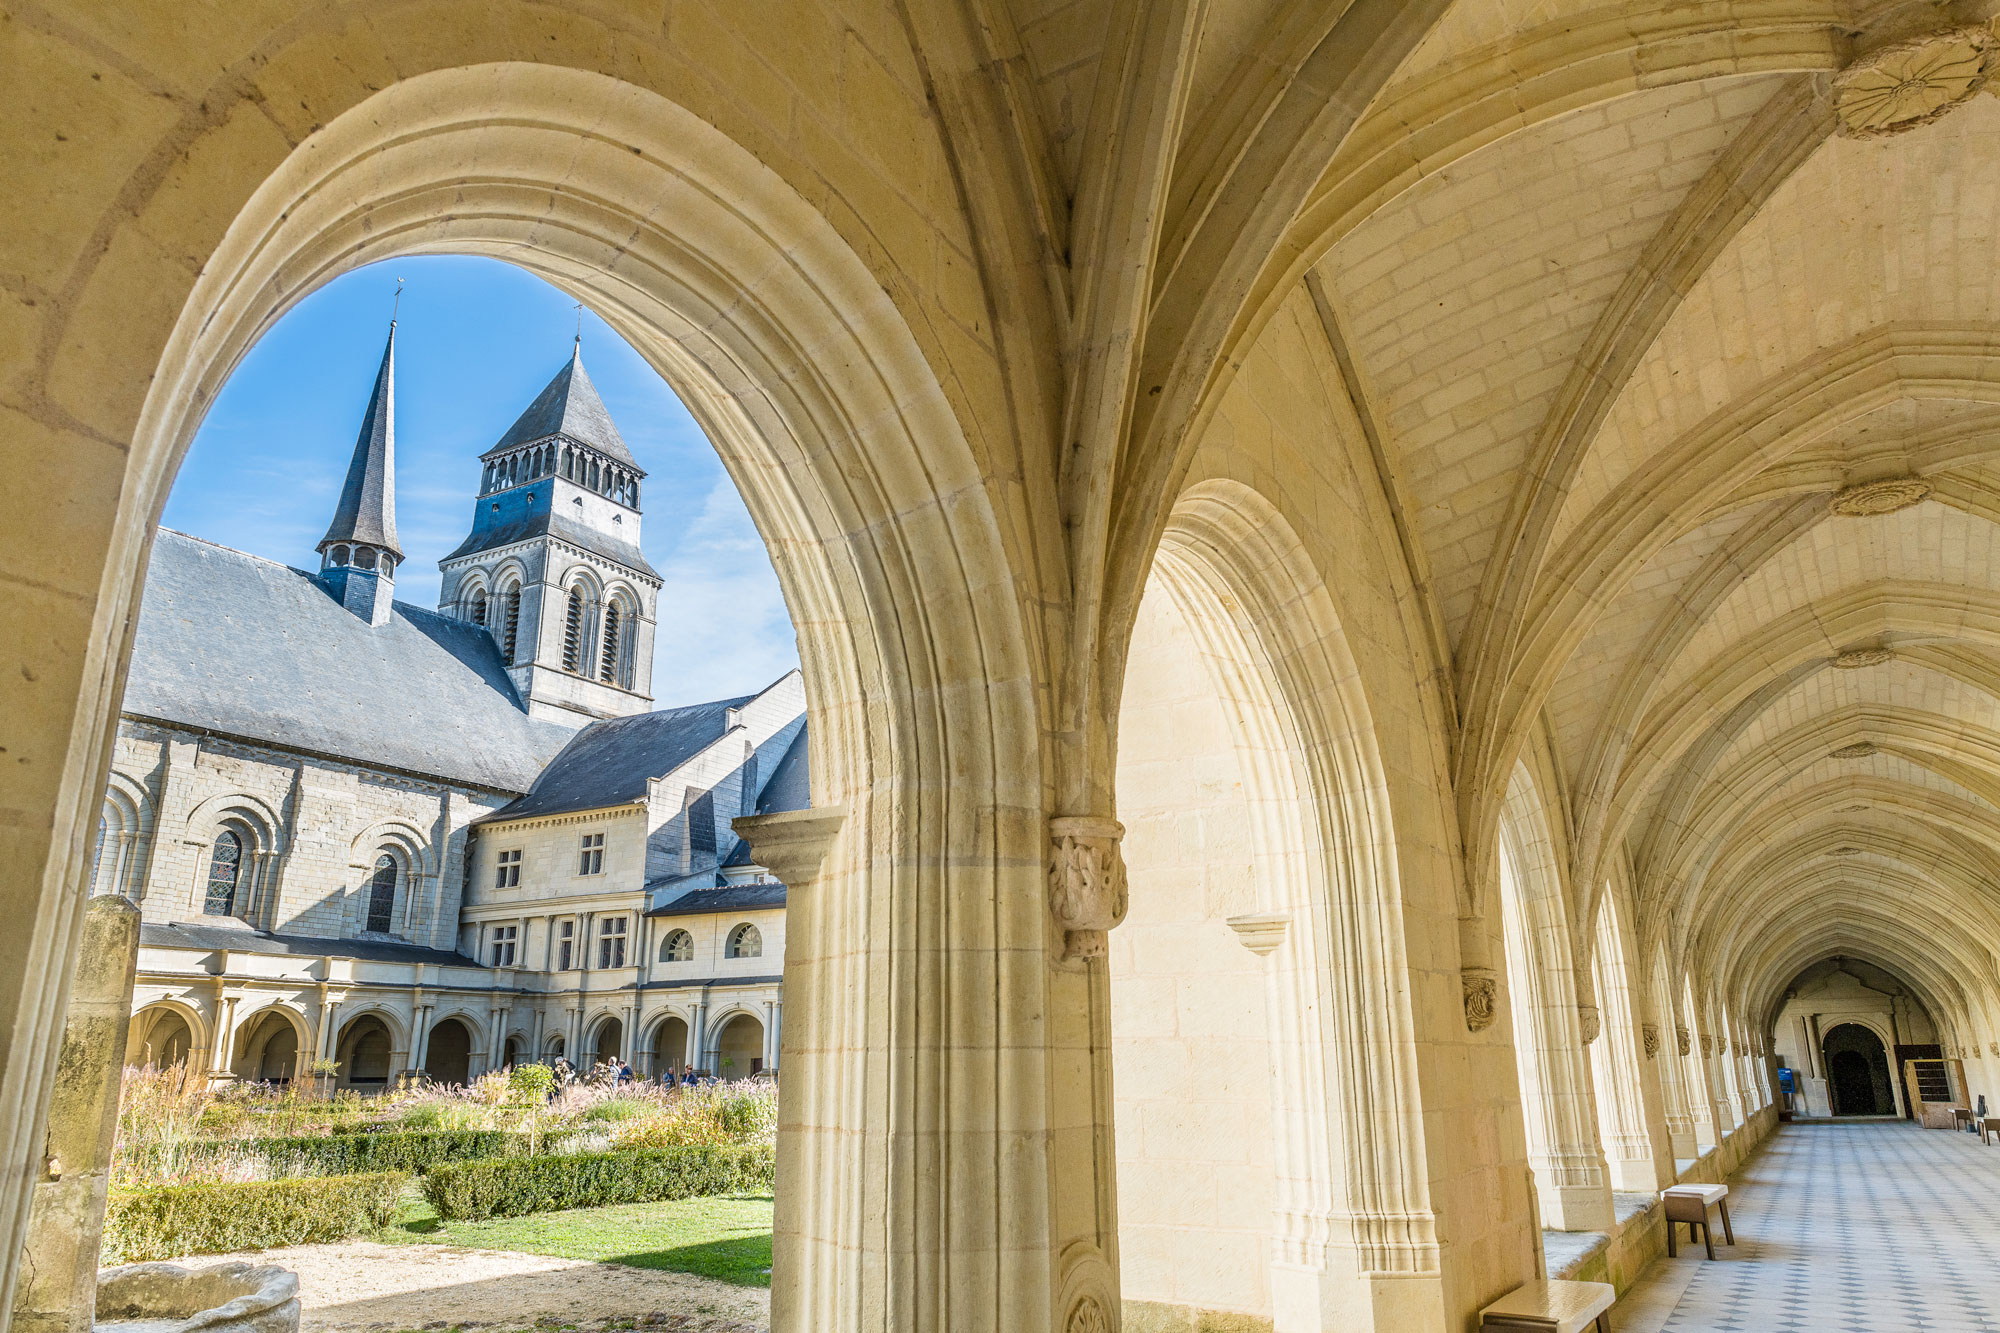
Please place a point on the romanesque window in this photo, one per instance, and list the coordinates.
(611, 942)
(590, 858)
(573, 633)
(507, 873)
(382, 893)
(565, 945)
(504, 940)
(607, 660)
(746, 941)
(479, 607)
(593, 475)
(677, 947)
(225, 865)
(511, 618)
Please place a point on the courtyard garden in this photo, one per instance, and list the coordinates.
(670, 1179)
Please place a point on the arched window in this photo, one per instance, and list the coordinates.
(340, 555)
(382, 894)
(607, 659)
(479, 607)
(486, 480)
(573, 633)
(225, 867)
(746, 941)
(510, 611)
(593, 474)
(677, 947)
(569, 463)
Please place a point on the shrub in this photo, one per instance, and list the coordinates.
(170, 1220)
(348, 1154)
(623, 1108)
(202, 1161)
(513, 1186)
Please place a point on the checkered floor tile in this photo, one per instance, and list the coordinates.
(1875, 1228)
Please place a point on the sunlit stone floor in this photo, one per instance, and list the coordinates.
(1875, 1228)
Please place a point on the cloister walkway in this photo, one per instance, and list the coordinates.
(1871, 1227)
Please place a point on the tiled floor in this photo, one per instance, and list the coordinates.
(1874, 1228)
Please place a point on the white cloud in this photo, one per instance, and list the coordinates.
(723, 626)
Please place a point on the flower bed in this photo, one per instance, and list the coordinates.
(169, 1220)
(511, 1186)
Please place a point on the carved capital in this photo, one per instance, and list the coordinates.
(1261, 932)
(1086, 1316)
(1683, 1040)
(1086, 882)
(793, 844)
(1910, 83)
(1649, 1039)
(1481, 993)
(1590, 1021)
(1707, 1046)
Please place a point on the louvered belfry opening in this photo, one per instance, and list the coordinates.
(573, 633)
(607, 658)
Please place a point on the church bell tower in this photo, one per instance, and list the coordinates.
(552, 565)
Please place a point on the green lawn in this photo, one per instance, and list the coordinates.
(726, 1237)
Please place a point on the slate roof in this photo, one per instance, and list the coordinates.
(569, 406)
(727, 898)
(247, 647)
(367, 509)
(200, 935)
(546, 524)
(611, 762)
(787, 788)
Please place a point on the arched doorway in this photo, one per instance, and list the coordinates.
(851, 455)
(609, 1042)
(510, 1054)
(448, 1058)
(268, 1050)
(364, 1053)
(739, 1048)
(164, 1039)
(1857, 1071)
(670, 1046)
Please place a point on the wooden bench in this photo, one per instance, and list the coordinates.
(1553, 1307)
(1690, 1204)
(1988, 1128)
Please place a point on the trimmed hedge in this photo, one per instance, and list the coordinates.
(415, 1151)
(170, 1220)
(511, 1186)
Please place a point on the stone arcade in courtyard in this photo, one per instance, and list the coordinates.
(437, 843)
(1377, 581)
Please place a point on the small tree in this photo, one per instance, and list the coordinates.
(532, 1084)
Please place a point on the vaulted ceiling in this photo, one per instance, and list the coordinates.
(1679, 325)
(1690, 392)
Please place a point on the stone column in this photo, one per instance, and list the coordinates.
(57, 1288)
(1558, 1103)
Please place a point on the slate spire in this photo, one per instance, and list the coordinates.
(367, 512)
(569, 405)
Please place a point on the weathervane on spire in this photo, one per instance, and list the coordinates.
(579, 324)
(397, 307)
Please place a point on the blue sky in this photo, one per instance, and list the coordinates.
(475, 342)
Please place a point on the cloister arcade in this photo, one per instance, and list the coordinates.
(1382, 586)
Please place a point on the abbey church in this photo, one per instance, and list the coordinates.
(414, 842)
(1399, 609)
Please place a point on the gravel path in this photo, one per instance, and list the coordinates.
(361, 1285)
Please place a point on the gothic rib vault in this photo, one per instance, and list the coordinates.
(1565, 430)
